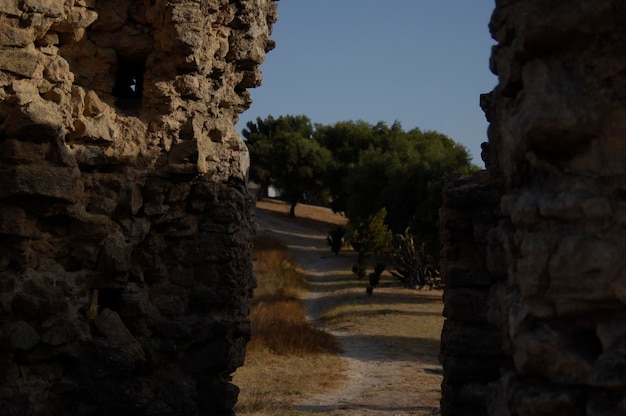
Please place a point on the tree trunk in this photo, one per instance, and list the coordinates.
(292, 210)
(264, 185)
(260, 193)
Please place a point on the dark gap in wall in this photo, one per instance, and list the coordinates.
(110, 299)
(128, 89)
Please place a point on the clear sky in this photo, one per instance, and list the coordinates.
(423, 63)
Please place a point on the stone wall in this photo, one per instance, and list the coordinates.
(125, 224)
(471, 348)
(551, 263)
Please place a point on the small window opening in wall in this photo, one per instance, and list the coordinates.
(129, 84)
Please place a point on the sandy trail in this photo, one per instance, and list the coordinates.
(377, 369)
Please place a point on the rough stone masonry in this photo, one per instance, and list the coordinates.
(534, 259)
(125, 224)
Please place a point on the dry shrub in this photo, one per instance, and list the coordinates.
(278, 318)
(282, 328)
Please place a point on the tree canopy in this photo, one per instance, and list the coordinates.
(360, 167)
(284, 154)
(260, 138)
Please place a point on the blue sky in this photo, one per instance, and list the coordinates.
(421, 62)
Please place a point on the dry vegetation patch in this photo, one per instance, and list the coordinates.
(287, 357)
(317, 218)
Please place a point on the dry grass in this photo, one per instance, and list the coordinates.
(377, 315)
(270, 383)
(287, 356)
(319, 218)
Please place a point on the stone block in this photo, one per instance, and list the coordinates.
(20, 152)
(106, 358)
(558, 352)
(12, 35)
(531, 264)
(64, 332)
(469, 192)
(38, 299)
(182, 277)
(609, 370)
(582, 272)
(611, 333)
(578, 256)
(459, 222)
(564, 206)
(470, 340)
(460, 370)
(131, 198)
(468, 395)
(115, 256)
(39, 181)
(93, 105)
(19, 335)
(112, 327)
(188, 86)
(89, 157)
(605, 402)
(217, 398)
(77, 18)
(51, 8)
(99, 130)
(170, 300)
(36, 120)
(19, 62)
(57, 70)
(597, 208)
(465, 305)
(16, 222)
(457, 277)
(49, 39)
(522, 207)
(495, 258)
(11, 7)
(454, 409)
(545, 399)
(214, 356)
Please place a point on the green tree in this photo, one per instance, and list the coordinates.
(404, 174)
(370, 237)
(346, 140)
(363, 168)
(298, 167)
(260, 137)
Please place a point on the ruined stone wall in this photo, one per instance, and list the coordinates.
(553, 265)
(471, 348)
(125, 224)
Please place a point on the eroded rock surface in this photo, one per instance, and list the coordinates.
(546, 254)
(125, 223)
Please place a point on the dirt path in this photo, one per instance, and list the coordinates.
(381, 370)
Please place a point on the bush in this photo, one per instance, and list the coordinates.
(370, 238)
(335, 239)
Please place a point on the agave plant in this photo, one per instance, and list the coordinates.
(410, 264)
